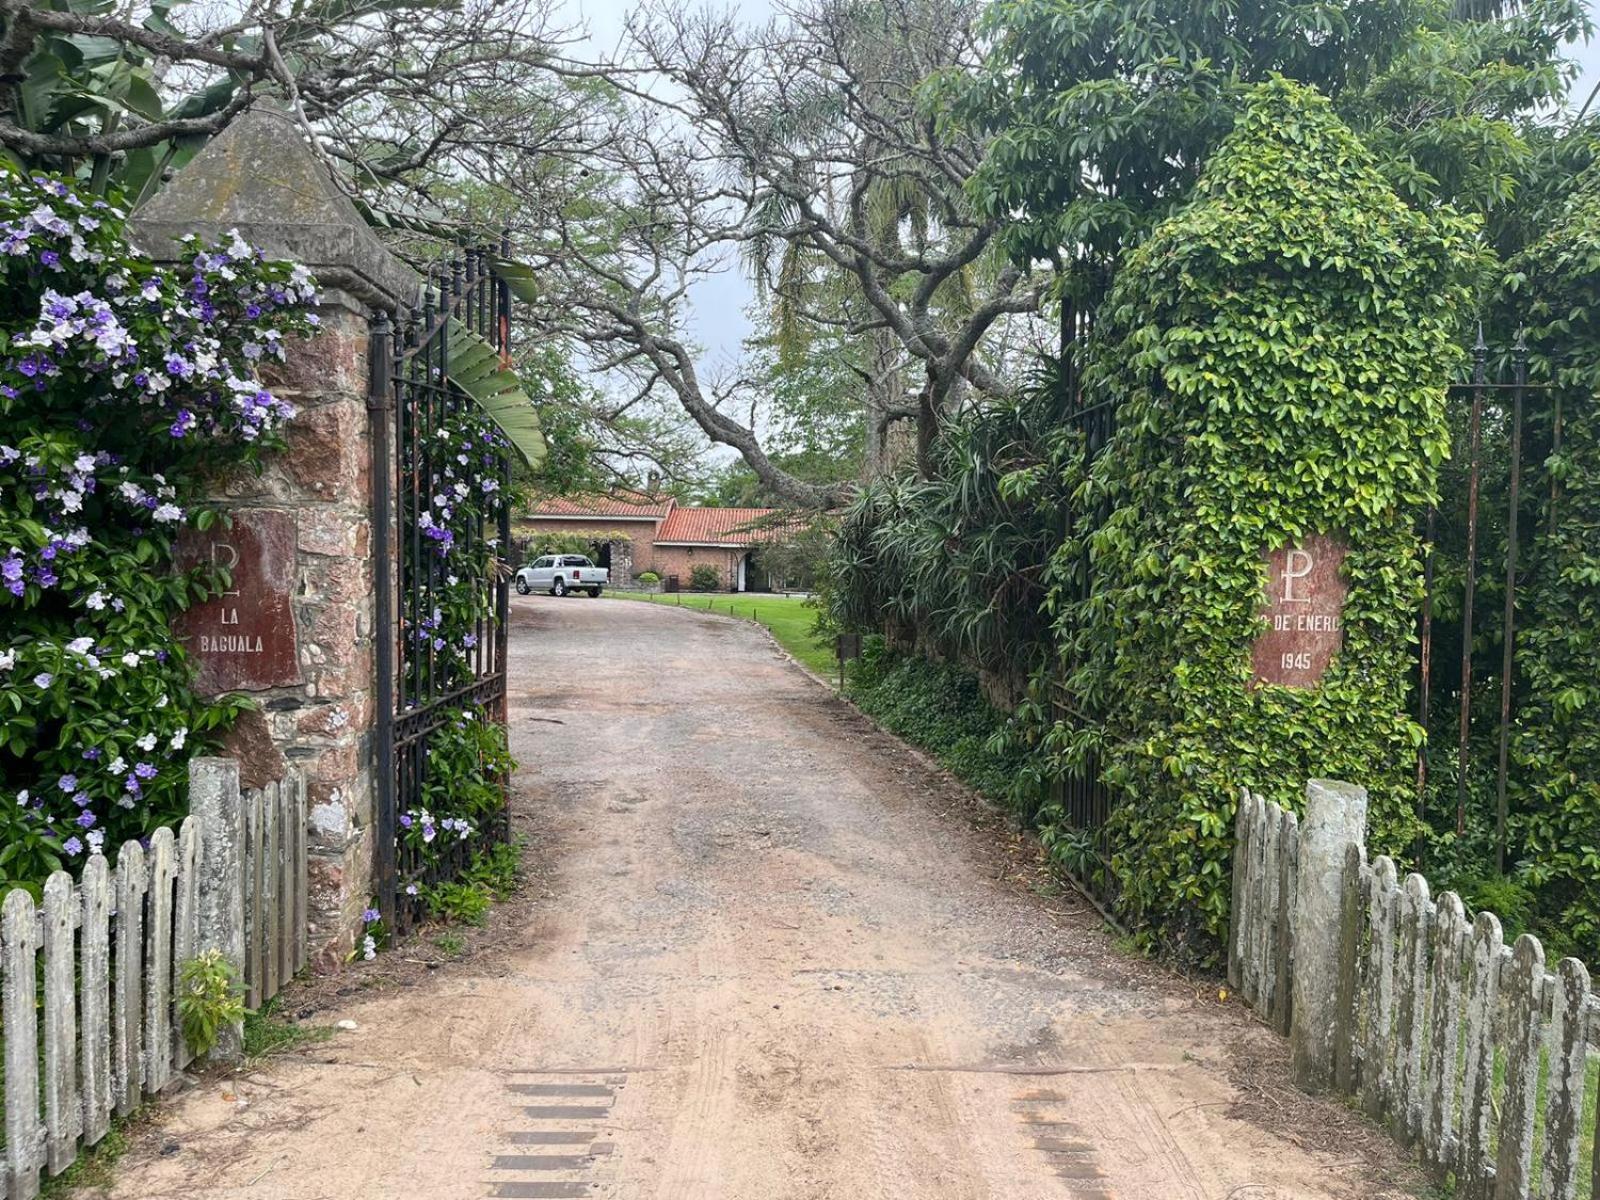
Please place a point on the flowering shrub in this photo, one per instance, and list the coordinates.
(121, 384)
(468, 765)
(465, 467)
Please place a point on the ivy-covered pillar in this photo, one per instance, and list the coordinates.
(295, 632)
(1278, 353)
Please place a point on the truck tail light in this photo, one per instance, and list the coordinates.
(577, 574)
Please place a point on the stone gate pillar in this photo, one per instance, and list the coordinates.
(296, 632)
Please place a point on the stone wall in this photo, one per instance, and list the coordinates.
(320, 486)
(297, 632)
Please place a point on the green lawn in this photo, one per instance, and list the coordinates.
(789, 617)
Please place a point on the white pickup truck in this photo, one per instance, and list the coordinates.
(559, 574)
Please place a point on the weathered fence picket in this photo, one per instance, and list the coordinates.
(1444, 1029)
(1261, 946)
(110, 951)
(1470, 1051)
(1411, 967)
(1377, 1060)
(1568, 1054)
(24, 1132)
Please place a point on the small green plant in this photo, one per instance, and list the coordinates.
(451, 944)
(268, 1032)
(497, 869)
(704, 578)
(210, 998)
(94, 1168)
(649, 577)
(460, 901)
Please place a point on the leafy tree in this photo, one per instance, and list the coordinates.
(1104, 115)
(404, 96)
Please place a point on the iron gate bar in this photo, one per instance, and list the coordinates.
(380, 406)
(1425, 665)
(1508, 636)
(420, 689)
(1480, 353)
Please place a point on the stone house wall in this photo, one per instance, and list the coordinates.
(681, 561)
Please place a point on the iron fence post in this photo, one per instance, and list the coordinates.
(379, 397)
(1509, 635)
(1480, 355)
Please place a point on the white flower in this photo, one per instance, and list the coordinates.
(22, 797)
(130, 659)
(369, 948)
(80, 645)
(83, 464)
(96, 601)
(8, 659)
(147, 742)
(117, 765)
(71, 501)
(96, 838)
(178, 739)
(168, 512)
(162, 702)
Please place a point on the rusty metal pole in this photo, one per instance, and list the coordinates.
(1480, 354)
(1509, 631)
(1425, 665)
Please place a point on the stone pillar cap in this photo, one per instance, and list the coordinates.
(260, 177)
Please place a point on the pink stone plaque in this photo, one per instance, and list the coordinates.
(244, 640)
(1304, 612)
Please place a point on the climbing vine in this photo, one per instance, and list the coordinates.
(122, 384)
(1278, 354)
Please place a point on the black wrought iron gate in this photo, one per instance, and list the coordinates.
(440, 525)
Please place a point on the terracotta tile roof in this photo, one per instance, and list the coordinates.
(634, 506)
(724, 526)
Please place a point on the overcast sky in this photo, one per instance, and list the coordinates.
(720, 303)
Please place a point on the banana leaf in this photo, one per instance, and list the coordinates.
(476, 369)
(518, 277)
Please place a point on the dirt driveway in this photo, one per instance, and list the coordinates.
(772, 956)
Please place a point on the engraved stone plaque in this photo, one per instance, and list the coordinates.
(245, 639)
(1304, 611)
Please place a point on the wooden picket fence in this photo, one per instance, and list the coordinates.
(275, 940)
(1265, 867)
(89, 978)
(1469, 1050)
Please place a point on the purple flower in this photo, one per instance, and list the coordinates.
(85, 820)
(371, 915)
(405, 820)
(144, 771)
(50, 258)
(183, 424)
(72, 847)
(43, 679)
(68, 783)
